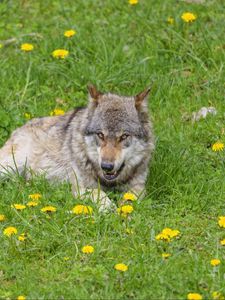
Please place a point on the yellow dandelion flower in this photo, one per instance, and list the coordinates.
(221, 221)
(188, 17)
(129, 231)
(170, 232)
(60, 53)
(35, 196)
(129, 196)
(2, 218)
(222, 242)
(57, 112)
(69, 33)
(170, 20)
(1, 46)
(217, 296)
(121, 267)
(10, 231)
(215, 262)
(167, 234)
(27, 115)
(18, 206)
(175, 233)
(125, 209)
(218, 146)
(133, 2)
(22, 237)
(167, 231)
(82, 210)
(163, 237)
(32, 203)
(48, 209)
(166, 255)
(194, 296)
(21, 298)
(26, 47)
(88, 249)
(66, 258)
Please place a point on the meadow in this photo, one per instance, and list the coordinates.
(119, 47)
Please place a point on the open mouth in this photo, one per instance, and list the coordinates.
(112, 175)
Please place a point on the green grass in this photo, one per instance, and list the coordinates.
(121, 48)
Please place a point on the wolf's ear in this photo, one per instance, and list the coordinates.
(94, 94)
(141, 97)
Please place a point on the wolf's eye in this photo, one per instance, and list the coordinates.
(100, 135)
(124, 137)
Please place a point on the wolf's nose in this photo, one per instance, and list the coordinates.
(106, 166)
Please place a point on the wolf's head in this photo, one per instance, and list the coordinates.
(117, 134)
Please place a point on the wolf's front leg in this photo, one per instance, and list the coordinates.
(96, 195)
(100, 197)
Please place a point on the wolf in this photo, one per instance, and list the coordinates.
(104, 146)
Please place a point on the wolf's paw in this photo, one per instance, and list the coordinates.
(105, 204)
(97, 196)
